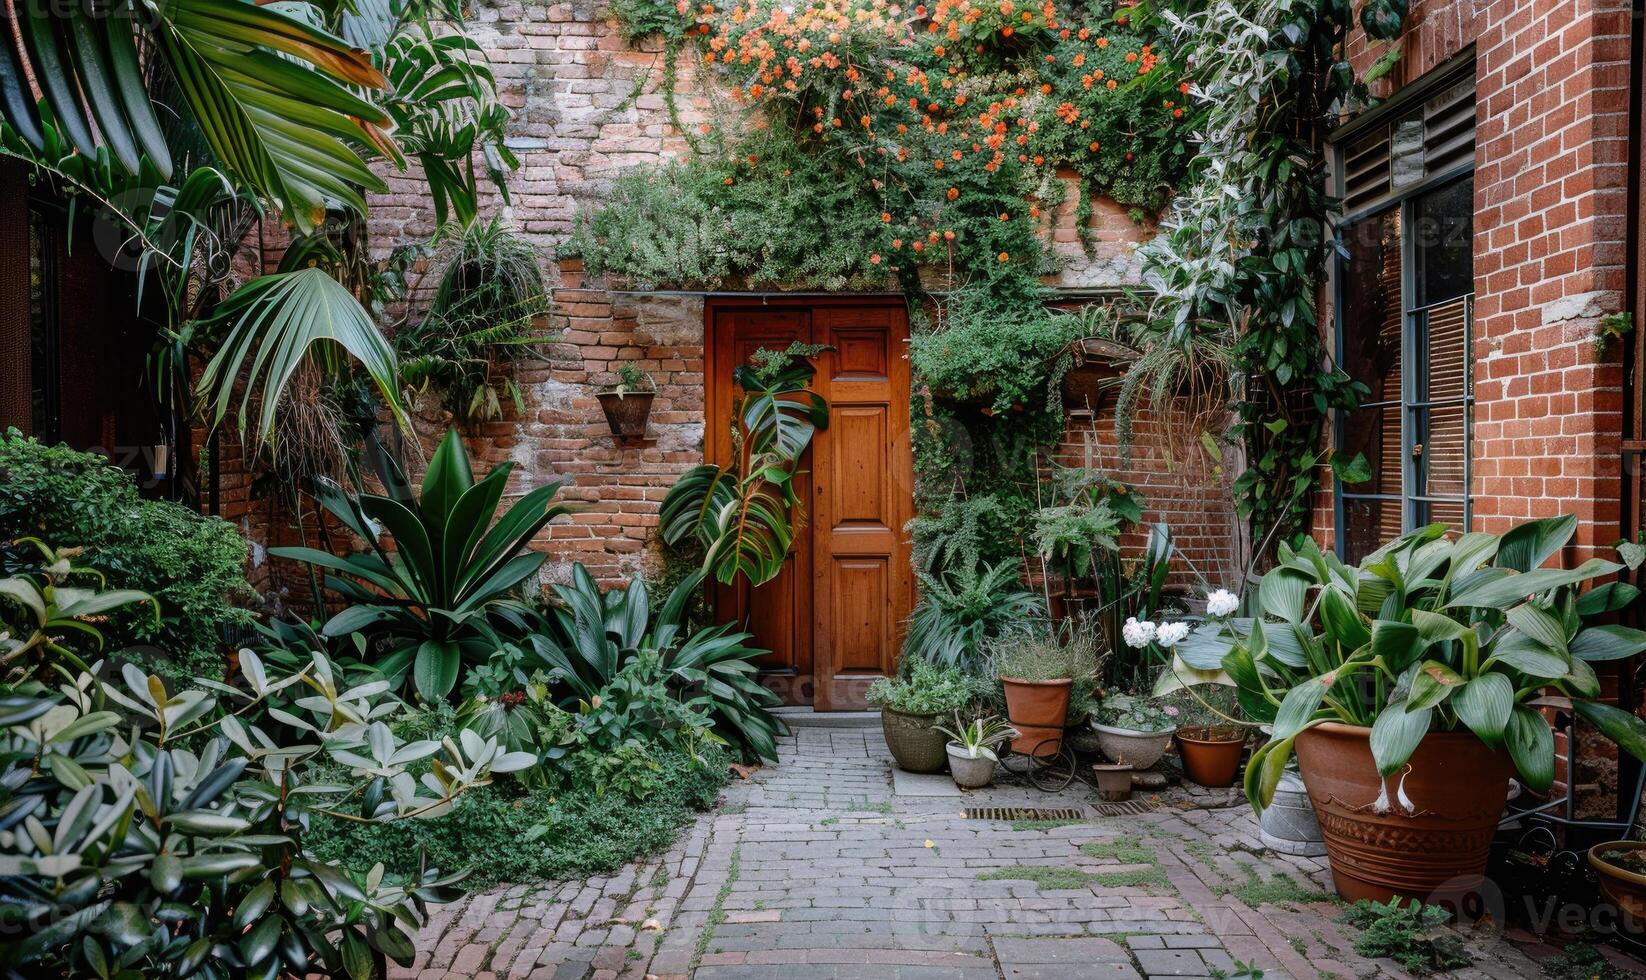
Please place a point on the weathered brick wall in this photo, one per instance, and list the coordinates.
(1551, 120)
(586, 108)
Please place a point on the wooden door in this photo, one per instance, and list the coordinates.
(833, 618)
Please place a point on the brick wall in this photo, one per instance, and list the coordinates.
(1551, 120)
(586, 108)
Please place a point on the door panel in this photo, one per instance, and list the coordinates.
(832, 618)
(863, 497)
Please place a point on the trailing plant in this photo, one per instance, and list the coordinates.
(163, 834)
(193, 566)
(961, 608)
(446, 594)
(1429, 633)
(483, 314)
(592, 636)
(1009, 359)
(922, 688)
(744, 514)
(1245, 244)
(963, 533)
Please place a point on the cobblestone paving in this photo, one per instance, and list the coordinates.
(815, 870)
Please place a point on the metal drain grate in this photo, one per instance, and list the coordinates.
(1024, 813)
(1130, 808)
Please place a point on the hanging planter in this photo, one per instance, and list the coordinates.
(629, 403)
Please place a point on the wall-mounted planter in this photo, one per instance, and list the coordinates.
(626, 413)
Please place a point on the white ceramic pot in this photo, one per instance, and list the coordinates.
(1141, 749)
(969, 772)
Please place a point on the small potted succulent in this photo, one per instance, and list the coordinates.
(628, 403)
(910, 705)
(972, 747)
(1037, 673)
(1134, 729)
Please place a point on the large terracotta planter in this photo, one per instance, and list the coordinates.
(915, 744)
(1436, 852)
(1211, 755)
(1037, 709)
(1622, 887)
(627, 413)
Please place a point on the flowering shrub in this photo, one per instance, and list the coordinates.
(951, 122)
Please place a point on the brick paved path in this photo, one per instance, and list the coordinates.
(815, 869)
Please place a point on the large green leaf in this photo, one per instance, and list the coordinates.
(1627, 730)
(1532, 747)
(1608, 643)
(1527, 546)
(1485, 704)
(1501, 593)
(274, 322)
(435, 669)
(1395, 736)
(1282, 594)
(1433, 683)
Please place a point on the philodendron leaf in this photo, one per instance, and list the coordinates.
(1532, 747)
(1395, 736)
(1485, 704)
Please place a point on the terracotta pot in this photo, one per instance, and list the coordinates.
(1208, 759)
(1623, 888)
(627, 413)
(1114, 780)
(1437, 853)
(969, 772)
(1037, 709)
(1141, 750)
(916, 746)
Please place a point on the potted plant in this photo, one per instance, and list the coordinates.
(971, 749)
(1133, 729)
(1037, 671)
(1114, 780)
(910, 705)
(1404, 685)
(628, 403)
(1621, 866)
(1209, 743)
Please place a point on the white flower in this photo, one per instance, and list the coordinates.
(1222, 603)
(1137, 634)
(1171, 634)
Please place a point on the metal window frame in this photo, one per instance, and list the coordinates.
(1413, 317)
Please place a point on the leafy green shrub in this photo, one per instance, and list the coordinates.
(1004, 358)
(194, 566)
(924, 689)
(581, 829)
(961, 609)
(1414, 935)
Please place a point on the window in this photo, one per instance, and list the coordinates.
(1404, 310)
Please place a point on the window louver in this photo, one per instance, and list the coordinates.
(1434, 138)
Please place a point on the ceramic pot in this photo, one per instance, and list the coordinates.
(1623, 888)
(970, 773)
(627, 413)
(1211, 757)
(915, 745)
(1140, 749)
(1114, 780)
(1037, 709)
(1435, 851)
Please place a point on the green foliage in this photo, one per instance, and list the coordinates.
(164, 834)
(1008, 357)
(1067, 536)
(961, 608)
(964, 533)
(922, 688)
(1581, 961)
(441, 596)
(1427, 634)
(1037, 655)
(192, 565)
(488, 297)
(1135, 713)
(46, 615)
(1414, 935)
(744, 514)
(571, 830)
(591, 638)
